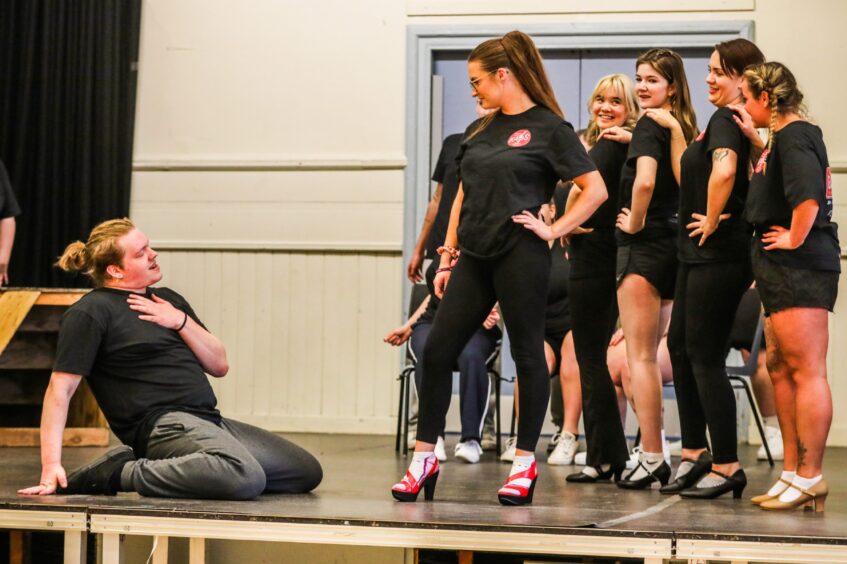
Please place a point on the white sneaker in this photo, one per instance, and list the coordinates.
(774, 437)
(488, 441)
(440, 451)
(565, 450)
(468, 451)
(554, 440)
(580, 458)
(511, 447)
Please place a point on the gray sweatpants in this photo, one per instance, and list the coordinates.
(190, 457)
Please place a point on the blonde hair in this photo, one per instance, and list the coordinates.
(622, 84)
(669, 65)
(99, 252)
(784, 96)
(516, 52)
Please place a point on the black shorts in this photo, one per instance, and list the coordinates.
(654, 259)
(783, 287)
(555, 340)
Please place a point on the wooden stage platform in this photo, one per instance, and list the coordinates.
(353, 507)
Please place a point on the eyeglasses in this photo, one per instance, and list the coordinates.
(475, 82)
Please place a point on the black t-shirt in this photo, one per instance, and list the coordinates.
(797, 170)
(8, 203)
(609, 156)
(651, 140)
(511, 166)
(136, 369)
(557, 319)
(447, 174)
(731, 241)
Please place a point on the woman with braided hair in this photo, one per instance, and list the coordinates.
(796, 263)
(509, 164)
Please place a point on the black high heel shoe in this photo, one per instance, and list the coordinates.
(701, 467)
(585, 478)
(735, 484)
(661, 475)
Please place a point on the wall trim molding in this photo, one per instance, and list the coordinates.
(509, 7)
(345, 247)
(838, 167)
(209, 164)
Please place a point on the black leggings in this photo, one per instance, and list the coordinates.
(705, 302)
(518, 280)
(593, 313)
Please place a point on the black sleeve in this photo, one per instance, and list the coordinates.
(648, 140)
(803, 174)
(441, 165)
(566, 154)
(80, 336)
(8, 203)
(178, 302)
(724, 133)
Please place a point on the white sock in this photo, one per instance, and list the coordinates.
(793, 492)
(684, 468)
(780, 487)
(649, 460)
(771, 421)
(710, 481)
(521, 463)
(421, 462)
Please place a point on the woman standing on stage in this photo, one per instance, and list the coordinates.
(646, 237)
(796, 263)
(509, 164)
(593, 252)
(713, 274)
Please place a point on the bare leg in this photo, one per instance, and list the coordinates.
(571, 388)
(620, 377)
(783, 388)
(640, 307)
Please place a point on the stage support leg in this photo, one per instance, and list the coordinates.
(653, 560)
(410, 556)
(738, 562)
(160, 553)
(113, 548)
(465, 557)
(16, 547)
(196, 551)
(75, 545)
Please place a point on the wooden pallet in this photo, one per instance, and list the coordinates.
(28, 325)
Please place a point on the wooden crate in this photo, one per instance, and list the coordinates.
(29, 327)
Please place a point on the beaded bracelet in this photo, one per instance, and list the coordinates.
(453, 252)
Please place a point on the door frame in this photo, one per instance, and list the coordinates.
(423, 42)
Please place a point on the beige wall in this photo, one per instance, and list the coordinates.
(269, 170)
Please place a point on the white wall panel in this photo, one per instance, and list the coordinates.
(303, 333)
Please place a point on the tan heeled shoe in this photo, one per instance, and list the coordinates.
(765, 497)
(812, 498)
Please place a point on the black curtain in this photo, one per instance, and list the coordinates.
(67, 107)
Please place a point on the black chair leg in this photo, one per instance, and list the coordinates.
(754, 408)
(407, 376)
(400, 411)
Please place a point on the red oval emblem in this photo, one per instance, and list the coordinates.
(519, 138)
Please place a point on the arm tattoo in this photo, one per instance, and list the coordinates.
(719, 154)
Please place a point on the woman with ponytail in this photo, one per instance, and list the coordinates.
(647, 230)
(509, 164)
(796, 264)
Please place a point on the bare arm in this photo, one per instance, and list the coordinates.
(206, 347)
(7, 240)
(451, 240)
(721, 182)
(632, 220)
(54, 415)
(413, 271)
(802, 220)
(401, 334)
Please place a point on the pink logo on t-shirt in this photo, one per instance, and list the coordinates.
(700, 137)
(828, 184)
(760, 166)
(519, 138)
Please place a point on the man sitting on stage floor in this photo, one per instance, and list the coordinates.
(145, 354)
